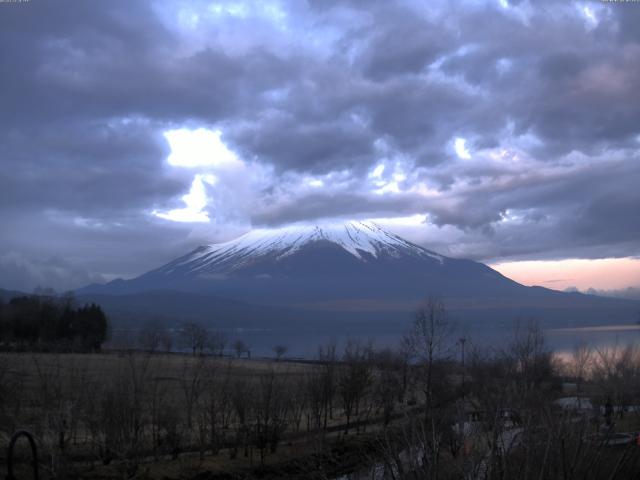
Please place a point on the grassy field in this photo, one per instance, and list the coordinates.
(122, 414)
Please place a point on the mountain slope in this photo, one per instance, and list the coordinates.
(319, 263)
(357, 267)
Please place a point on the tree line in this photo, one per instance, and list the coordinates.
(44, 322)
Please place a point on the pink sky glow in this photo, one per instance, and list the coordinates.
(601, 274)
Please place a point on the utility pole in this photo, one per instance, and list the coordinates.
(462, 342)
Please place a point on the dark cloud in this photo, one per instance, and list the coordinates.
(345, 205)
(88, 169)
(405, 42)
(23, 274)
(314, 147)
(317, 93)
(627, 17)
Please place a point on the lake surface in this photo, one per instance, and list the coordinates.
(303, 342)
(561, 340)
(565, 340)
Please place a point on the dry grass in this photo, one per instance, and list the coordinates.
(39, 376)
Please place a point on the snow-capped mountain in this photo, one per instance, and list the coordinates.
(366, 241)
(318, 263)
(334, 273)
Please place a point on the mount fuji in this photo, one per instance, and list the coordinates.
(345, 271)
(321, 263)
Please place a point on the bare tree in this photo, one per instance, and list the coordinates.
(388, 382)
(280, 351)
(166, 340)
(217, 343)
(60, 393)
(299, 401)
(430, 340)
(157, 402)
(194, 337)
(240, 347)
(152, 336)
(580, 366)
(218, 405)
(242, 401)
(117, 417)
(616, 372)
(270, 409)
(355, 378)
(192, 384)
(530, 356)
(329, 361)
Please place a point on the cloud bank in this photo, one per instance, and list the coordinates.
(509, 128)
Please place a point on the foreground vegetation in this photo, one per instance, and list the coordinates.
(421, 411)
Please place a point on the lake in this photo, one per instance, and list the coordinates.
(305, 343)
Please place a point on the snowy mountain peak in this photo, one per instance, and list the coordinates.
(361, 239)
(355, 237)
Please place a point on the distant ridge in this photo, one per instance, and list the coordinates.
(7, 295)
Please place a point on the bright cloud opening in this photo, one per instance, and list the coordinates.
(385, 186)
(377, 172)
(196, 201)
(504, 65)
(590, 16)
(232, 9)
(460, 145)
(199, 148)
(314, 182)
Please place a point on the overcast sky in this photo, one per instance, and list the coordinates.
(501, 131)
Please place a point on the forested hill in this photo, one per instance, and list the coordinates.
(38, 322)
